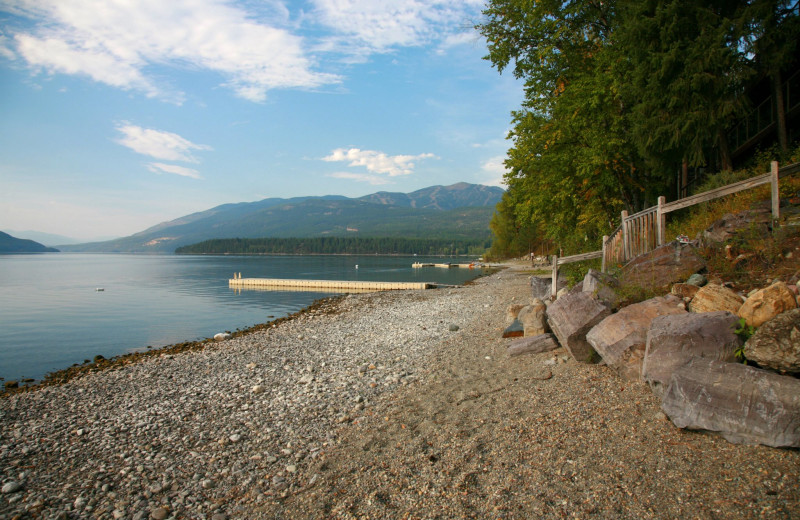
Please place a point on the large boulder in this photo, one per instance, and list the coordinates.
(755, 221)
(776, 344)
(571, 317)
(673, 340)
(602, 286)
(542, 287)
(620, 338)
(767, 303)
(713, 297)
(532, 345)
(744, 404)
(534, 318)
(662, 266)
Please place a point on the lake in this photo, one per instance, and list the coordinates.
(53, 316)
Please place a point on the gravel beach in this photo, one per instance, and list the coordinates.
(381, 405)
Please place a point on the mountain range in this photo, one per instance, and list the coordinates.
(459, 211)
(10, 244)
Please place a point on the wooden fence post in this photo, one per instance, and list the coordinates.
(776, 197)
(554, 282)
(661, 220)
(603, 262)
(625, 238)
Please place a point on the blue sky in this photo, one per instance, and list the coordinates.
(116, 115)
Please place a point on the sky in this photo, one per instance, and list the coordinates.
(116, 115)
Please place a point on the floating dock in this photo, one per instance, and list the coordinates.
(280, 284)
(417, 265)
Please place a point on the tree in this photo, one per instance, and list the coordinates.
(686, 76)
(570, 158)
(618, 94)
(769, 32)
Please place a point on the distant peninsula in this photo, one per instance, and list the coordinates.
(337, 246)
(9, 244)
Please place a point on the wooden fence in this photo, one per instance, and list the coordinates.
(642, 232)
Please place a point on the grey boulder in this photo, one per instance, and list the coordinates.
(532, 345)
(602, 286)
(745, 405)
(776, 344)
(673, 340)
(571, 317)
(620, 339)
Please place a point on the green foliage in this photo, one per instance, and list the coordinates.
(335, 245)
(628, 294)
(576, 271)
(618, 94)
(744, 331)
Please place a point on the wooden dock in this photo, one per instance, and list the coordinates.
(281, 284)
(418, 265)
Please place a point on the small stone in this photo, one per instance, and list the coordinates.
(221, 336)
(218, 516)
(291, 468)
(251, 366)
(207, 483)
(257, 389)
(697, 279)
(235, 437)
(11, 487)
(453, 328)
(306, 379)
(159, 513)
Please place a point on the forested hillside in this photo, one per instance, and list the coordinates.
(337, 245)
(622, 97)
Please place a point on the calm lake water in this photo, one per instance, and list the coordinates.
(52, 316)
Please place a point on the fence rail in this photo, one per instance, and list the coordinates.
(642, 232)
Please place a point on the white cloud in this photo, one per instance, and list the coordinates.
(377, 162)
(115, 42)
(158, 144)
(374, 180)
(5, 48)
(495, 167)
(378, 25)
(456, 39)
(174, 168)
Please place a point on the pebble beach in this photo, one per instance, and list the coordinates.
(397, 404)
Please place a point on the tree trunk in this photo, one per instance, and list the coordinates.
(683, 186)
(724, 151)
(780, 109)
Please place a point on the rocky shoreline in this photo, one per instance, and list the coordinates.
(382, 405)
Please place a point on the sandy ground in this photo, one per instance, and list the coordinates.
(377, 406)
(537, 436)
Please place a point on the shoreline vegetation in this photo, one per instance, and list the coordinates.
(380, 405)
